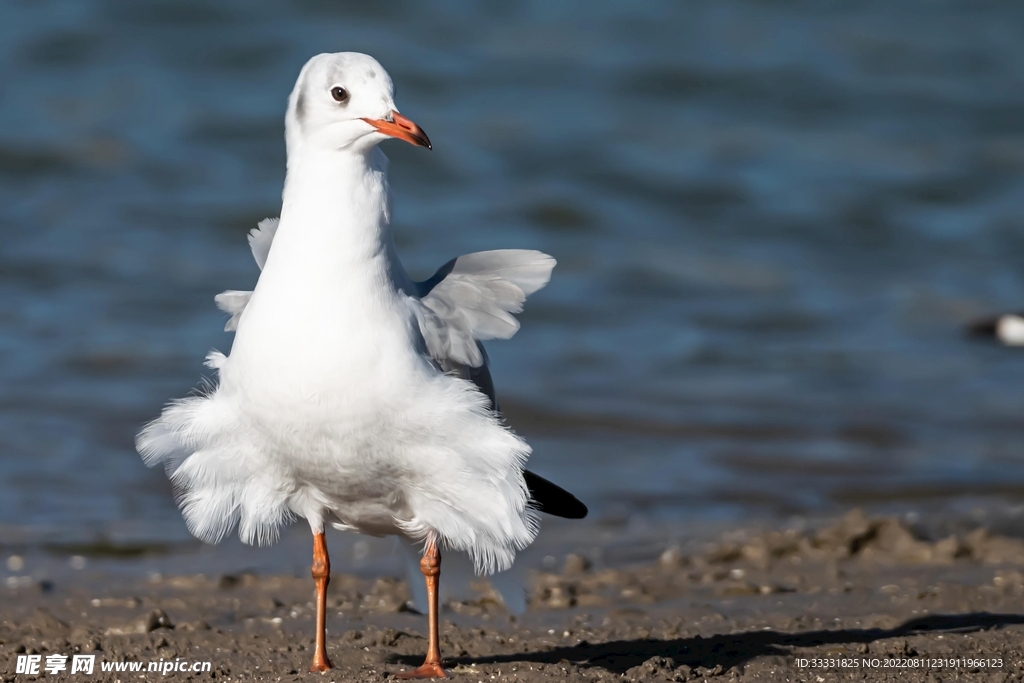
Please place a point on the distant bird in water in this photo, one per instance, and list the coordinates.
(354, 396)
(1008, 329)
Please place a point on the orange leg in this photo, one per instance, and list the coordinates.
(430, 565)
(321, 576)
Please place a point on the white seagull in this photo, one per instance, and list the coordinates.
(354, 396)
(1007, 329)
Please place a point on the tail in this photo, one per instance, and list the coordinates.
(551, 498)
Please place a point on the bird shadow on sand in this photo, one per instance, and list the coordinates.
(732, 649)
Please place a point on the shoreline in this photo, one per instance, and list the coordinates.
(746, 605)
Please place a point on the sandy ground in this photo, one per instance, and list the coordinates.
(866, 593)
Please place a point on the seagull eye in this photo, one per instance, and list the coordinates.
(339, 94)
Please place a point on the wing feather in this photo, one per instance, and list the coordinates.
(473, 298)
(260, 239)
(233, 302)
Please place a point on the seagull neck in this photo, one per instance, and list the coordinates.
(338, 202)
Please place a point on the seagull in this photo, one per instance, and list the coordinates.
(354, 396)
(1007, 329)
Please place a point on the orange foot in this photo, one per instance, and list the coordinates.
(321, 664)
(425, 670)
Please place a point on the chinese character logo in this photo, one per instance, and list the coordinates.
(82, 663)
(28, 664)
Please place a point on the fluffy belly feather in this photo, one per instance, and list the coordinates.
(421, 456)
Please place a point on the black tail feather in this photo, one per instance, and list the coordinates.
(553, 499)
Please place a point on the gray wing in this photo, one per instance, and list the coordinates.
(470, 299)
(473, 298)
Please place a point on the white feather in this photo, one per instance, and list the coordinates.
(232, 302)
(474, 298)
(260, 239)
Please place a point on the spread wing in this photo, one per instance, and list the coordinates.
(472, 298)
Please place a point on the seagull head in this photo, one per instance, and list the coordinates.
(346, 101)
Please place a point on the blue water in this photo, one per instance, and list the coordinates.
(772, 220)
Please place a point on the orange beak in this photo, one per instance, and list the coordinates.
(401, 128)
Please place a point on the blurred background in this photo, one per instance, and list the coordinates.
(772, 222)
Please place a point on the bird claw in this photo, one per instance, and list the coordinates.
(425, 670)
(320, 664)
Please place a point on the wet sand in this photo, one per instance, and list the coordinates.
(746, 607)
